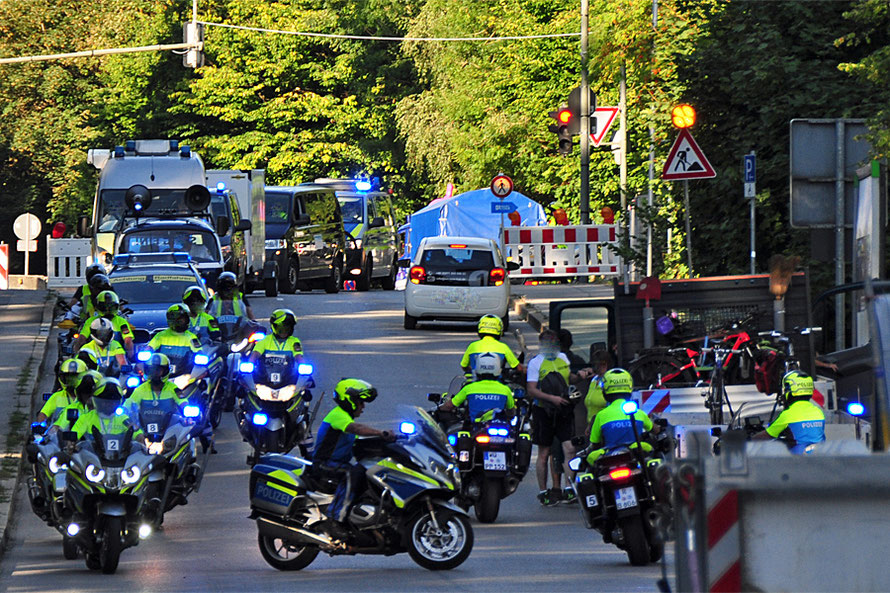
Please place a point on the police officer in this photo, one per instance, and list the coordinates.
(157, 392)
(176, 341)
(106, 414)
(333, 448)
(612, 427)
(106, 351)
(87, 383)
(69, 376)
(108, 307)
(802, 423)
(228, 300)
(485, 396)
(282, 341)
(490, 328)
(201, 323)
(98, 284)
(83, 294)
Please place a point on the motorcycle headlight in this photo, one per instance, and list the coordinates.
(575, 464)
(286, 393)
(246, 367)
(94, 474)
(133, 381)
(54, 465)
(131, 475)
(143, 355)
(265, 392)
(155, 448)
(202, 360)
(182, 381)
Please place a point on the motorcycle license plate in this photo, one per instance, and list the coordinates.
(114, 445)
(625, 498)
(495, 460)
(172, 369)
(152, 427)
(275, 377)
(590, 500)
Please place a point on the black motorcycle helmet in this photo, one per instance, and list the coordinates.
(178, 317)
(86, 386)
(92, 270)
(226, 285)
(88, 359)
(99, 283)
(107, 396)
(158, 368)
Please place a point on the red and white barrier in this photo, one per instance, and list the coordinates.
(655, 401)
(66, 262)
(581, 250)
(724, 547)
(4, 267)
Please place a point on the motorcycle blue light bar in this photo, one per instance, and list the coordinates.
(407, 427)
(191, 411)
(496, 431)
(202, 360)
(143, 355)
(452, 439)
(246, 367)
(629, 407)
(133, 381)
(260, 419)
(304, 369)
(855, 409)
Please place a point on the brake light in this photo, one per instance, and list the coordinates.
(496, 276)
(483, 439)
(457, 246)
(620, 473)
(417, 275)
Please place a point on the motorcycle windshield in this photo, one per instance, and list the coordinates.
(427, 430)
(231, 327)
(277, 369)
(112, 447)
(154, 416)
(180, 363)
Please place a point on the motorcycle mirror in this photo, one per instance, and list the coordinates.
(434, 397)
(69, 435)
(716, 432)
(579, 441)
(307, 396)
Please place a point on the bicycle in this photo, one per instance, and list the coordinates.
(716, 394)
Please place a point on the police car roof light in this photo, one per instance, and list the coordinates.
(118, 152)
(174, 145)
(363, 185)
(131, 145)
(185, 151)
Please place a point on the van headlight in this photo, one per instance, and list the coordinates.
(131, 475)
(94, 474)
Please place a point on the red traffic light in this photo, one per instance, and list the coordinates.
(608, 215)
(564, 116)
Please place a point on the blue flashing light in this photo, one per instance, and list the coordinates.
(497, 431)
(304, 369)
(191, 411)
(118, 152)
(131, 145)
(855, 409)
(174, 145)
(202, 360)
(119, 411)
(181, 257)
(137, 206)
(246, 367)
(143, 355)
(260, 419)
(452, 440)
(185, 151)
(629, 407)
(221, 186)
(363, 185)
(133, 381)
(407, 427)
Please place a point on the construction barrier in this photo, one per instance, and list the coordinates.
(66, 262)
(553, 251)
(4, 266)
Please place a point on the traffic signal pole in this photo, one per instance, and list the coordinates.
(585, 119)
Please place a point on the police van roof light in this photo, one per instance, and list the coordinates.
(185, 151)
(131, 146)
(221, 186)
(118, 152)
(363, 185)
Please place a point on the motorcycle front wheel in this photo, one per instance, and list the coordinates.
(284, 556)
(441, 548)
(111, 547)
(489, 502)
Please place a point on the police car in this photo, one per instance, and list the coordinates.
(150, 283)
(460, 278)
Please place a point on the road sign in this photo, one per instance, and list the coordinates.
(501, 186)
(26, 226)
(750, 168)
(20, 245)
(686, 160)
(602, 119)
(503, 207)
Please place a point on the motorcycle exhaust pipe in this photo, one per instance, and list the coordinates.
(270, 528)
(35, 495)
(512, 484)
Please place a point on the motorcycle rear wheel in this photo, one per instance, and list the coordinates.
(440, 549)
(636, 544)
(283, 556)
(111, 547)
(489, 502)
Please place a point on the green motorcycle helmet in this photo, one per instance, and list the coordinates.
(617, 384)
(349, 392)
(194, 298)
(70, 371)
(178, 317)
(283, 322)
(108, 303)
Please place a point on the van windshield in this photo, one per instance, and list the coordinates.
(351, 209)
(278, 207)
(201, 245)
(111, 206)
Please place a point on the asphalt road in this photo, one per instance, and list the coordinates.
(210, 545)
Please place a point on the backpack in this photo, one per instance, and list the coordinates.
(768, 371)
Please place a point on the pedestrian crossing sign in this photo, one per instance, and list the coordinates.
(686, 160)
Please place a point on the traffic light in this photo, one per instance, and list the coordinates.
(575, 109)
(193, 33)
(562, 129)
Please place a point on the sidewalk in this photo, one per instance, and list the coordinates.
(532, 303)
(25, 321)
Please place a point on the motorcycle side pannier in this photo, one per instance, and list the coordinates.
(585, 485)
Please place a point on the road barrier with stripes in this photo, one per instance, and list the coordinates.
(66, 262)
(555, 251)
(4, 266)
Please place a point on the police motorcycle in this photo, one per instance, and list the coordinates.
(623, 494)
(407, 506)
(239, 335)
(274, 416)
(492, 455)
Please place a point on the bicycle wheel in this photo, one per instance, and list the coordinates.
(716, 393)
(657, 370)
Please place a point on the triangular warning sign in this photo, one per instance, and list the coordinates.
(686, 160)
(603, 116)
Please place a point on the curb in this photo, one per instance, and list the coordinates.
(38, 352)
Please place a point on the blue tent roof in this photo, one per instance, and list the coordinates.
(468, 214)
